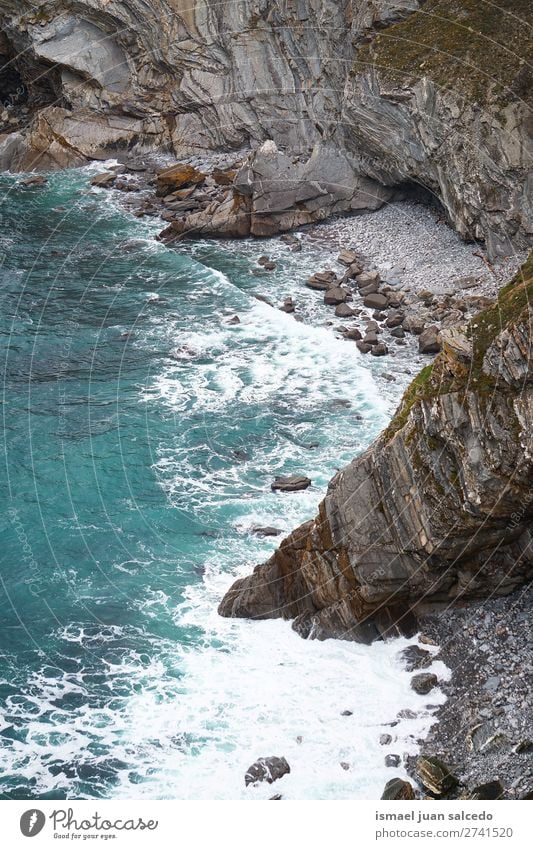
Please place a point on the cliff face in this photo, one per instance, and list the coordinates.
(432, 93)
(440, 507)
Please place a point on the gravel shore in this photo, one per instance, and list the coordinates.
(483, 733)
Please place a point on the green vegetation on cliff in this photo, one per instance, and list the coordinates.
(478, 48)
(447, 374)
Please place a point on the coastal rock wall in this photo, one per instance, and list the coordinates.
(440, 507)
(432, 93)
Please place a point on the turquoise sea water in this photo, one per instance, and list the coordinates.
(141, 433)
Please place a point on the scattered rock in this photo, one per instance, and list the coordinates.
(353, 333)
(288, 305)
(266, 769)
(177, 176)
(371, 338)
(486, 792)
(414, 657)
(392, 760)
(292, 483)
(367, 278)
(424, 683)
(234, 320)
(398, 332)
(397, 788)
(347, 713)
(376, 301)
(345, 765)
(435, 775)
(104, 179)
(379, 350)
(385, 739)
(429, 342)
(394, 319)
(335, 296)
(347, 257)
(277, 798)
(266, 531)
(344, 311)
(364, 347)
(37, 180)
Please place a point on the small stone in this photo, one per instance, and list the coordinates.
(524, 746)
(233, 321)
(413, 657)
(379, 350)
(398, 332)
(424, 683)
(397, 788)
(37, 180)
(364, 347)
(371, 337)
(406, 713)
(394, 320)
(492, 684)
(367, 278)
(345, 765)
(347, 713)
(392, 760)
(385, 739)
(486, 792)
(354, 334)
(277, 798)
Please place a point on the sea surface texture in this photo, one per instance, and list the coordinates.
(141, 433)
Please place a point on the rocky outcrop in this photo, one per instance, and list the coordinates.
(438, 510)
(359, 94)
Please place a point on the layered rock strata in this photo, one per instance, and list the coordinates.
(438, 510)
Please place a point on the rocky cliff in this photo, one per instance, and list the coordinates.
(437, 511)
(429, 93)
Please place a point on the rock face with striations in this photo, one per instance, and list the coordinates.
(357, 97)
(438, 509)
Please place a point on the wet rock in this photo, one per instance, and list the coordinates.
(347, 713)
(335, 296)
(37, 180)
(344, 311)
(435, 775)
(398, 333)
(371, 338)
(277, 798)
(351, 272)
(392, 760)
(379, 350)
(354, 334)
(288, 305)
(376, 301)
(385, 739)
(524, 746)
(321, 280)
(364, 347)
(345, 766)
(397, 788)
(394, 319)
(292, 483)
(414, 657)
(406, 713)
(266, 769)
(266, 531)
(429, 341)
(424, 683)
(233, 321)
(369, 290)
(413, 324)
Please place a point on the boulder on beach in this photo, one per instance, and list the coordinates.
(397, 788)
(429, 341)
(335, 296)
(322, 280)
(106, 179)
(266, 531)
(344, 311)
(347, 257)
(364, 347)
(376, 301)
(413, 657)
(435, 775)
(366, 278)
(266, 769)
(424, 683)
(379, 350)
(292, 483)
